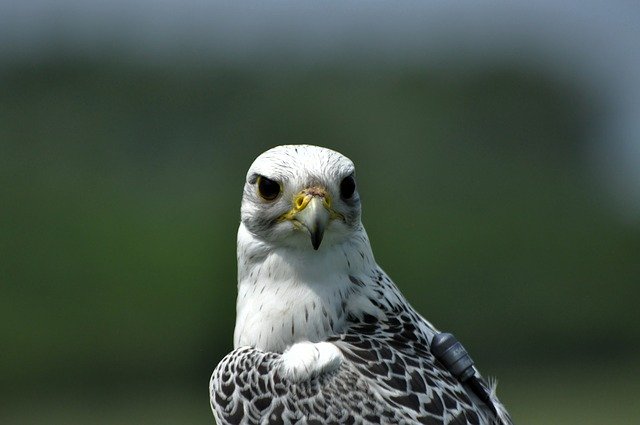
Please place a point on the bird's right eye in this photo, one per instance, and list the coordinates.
(267, 188)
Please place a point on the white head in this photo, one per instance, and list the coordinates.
(300, 245)
(301, 196)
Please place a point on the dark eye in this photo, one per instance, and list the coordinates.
(268, 189)
(347, 187)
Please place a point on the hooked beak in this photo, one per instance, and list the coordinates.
(312, 211)
(315, 217)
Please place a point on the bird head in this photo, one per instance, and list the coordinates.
(301, 196)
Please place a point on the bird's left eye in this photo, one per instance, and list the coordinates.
(267, 188)
(347, 187)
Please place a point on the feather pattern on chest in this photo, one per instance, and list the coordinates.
(287, 295)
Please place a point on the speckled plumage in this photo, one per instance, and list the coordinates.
(382, 370)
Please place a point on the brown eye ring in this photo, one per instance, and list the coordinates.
(267, 188)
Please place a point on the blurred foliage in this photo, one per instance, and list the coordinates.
(121, 194)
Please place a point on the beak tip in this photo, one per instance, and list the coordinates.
(316, 241)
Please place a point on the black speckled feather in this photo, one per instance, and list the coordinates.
(389, 376)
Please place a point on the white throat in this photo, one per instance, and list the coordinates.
(287, 295)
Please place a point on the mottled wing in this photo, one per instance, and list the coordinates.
(388, 377)
(394, 357)
(246, 388)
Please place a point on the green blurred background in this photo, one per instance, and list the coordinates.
(122, 170)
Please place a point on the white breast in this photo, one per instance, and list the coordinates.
(287, 295)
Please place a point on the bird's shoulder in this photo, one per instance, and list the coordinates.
(388, 373)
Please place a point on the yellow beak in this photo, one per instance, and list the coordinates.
(312, 211)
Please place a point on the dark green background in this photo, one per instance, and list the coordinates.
(120, 194)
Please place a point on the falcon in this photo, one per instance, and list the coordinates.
(322, 334)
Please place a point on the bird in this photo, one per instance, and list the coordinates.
(322, 334)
